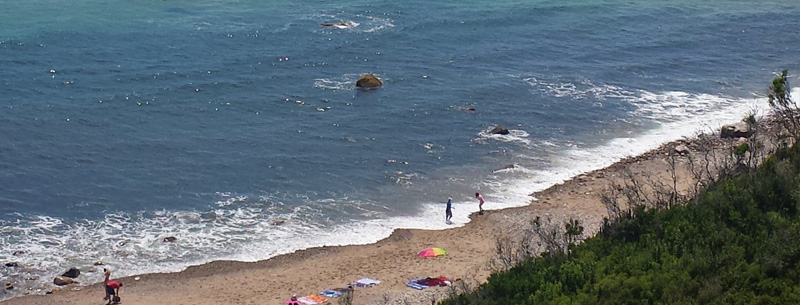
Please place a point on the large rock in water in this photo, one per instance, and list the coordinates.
(738, 130)
(72, 272)
(368, 80)
(499, 129)
(61, 281)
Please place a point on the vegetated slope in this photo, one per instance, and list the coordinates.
(738, 242)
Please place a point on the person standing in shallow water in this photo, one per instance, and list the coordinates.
(448, 212)
(480, 202)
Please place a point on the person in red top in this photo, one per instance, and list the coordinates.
(112, 288)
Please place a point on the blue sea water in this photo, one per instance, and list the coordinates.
(124, 122)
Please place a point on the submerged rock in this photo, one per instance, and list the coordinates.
(170, 239)
(278, 222)
(339, 25)
(499, 129)
(209, 216)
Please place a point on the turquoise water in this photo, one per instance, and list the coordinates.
(212, 120)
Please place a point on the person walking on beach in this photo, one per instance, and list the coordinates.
(448, 212)
(480, 202)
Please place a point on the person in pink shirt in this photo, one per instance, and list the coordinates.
(480, 202)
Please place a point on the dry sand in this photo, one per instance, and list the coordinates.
(392, 260)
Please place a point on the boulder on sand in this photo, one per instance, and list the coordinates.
(368, 81)
(682, 150)
(737, 130)
(61, 281)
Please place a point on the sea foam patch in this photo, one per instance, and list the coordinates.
(580, 88)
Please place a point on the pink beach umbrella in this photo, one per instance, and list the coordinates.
(432, 252)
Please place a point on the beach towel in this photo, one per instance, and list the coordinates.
(331, 293)
(414, 284)
(366, 282)
(422, 283)
(306, 301)
(312, 299)
(434, 281)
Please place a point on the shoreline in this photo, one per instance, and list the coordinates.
(392, 259)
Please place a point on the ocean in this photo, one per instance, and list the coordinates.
(236, 126)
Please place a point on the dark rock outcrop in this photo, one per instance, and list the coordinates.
(368, 81)
(170, 239)
(72, 273)
(499, 129)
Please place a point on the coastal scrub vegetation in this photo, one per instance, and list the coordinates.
(734, 240)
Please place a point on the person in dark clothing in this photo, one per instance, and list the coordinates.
(448, 212)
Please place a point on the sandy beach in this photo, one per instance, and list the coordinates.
(392, 260)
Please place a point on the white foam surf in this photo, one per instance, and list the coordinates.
(679, 115)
